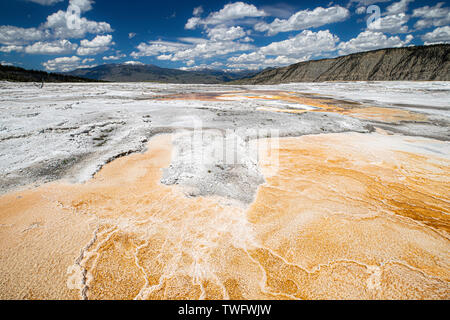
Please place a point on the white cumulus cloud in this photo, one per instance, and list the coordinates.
(118, 56)
(370, 40)
(11, 48)
(154, 48)
(398, 7)
(62, 64)
(45, 2)
(395, 23)
(134, 63)
(367, 2)
(438, 35)
(53, 47)
(225, 33)
(97, 45)
(436, 16)
(11, 35)
(305, 19)
(228, 14)
(305, 43)
(65, 64)
(190, 49)
(304, 46)
(394, 20)
(198, 11)
(70, 24)
(60, 25)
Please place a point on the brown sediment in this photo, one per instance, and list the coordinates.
(335, 210)
(271, 109)
(383, 131)
(197, 96)
(321, 104)
(38, 241)
(343, 216)
(356, 110)
(389, 115)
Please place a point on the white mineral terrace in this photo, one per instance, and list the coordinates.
(296, 191)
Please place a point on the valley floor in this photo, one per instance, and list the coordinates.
(296, 191)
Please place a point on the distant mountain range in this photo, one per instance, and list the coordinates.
(152, 73)
(421, 63)
(16, 74)
(411, 63)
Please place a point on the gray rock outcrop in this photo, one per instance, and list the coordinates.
(423, 63)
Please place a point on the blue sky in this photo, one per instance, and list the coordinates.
(62, 35)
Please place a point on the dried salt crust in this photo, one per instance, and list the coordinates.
(298, 104)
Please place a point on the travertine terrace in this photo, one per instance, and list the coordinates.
(99, 200)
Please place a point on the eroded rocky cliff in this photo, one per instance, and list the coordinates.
(411, 63)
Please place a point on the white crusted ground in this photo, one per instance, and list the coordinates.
(71, 130)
